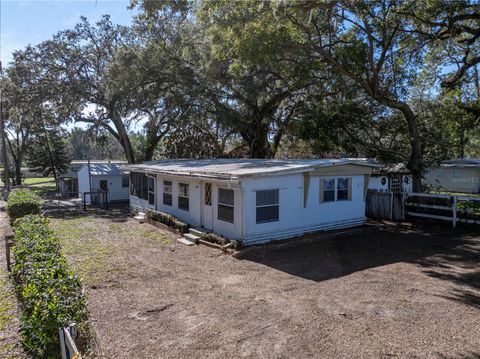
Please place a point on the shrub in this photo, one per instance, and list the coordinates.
(22, 202)
(49, 292)
(167, 219)
(215, 238)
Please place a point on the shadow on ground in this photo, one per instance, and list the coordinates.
(444, 253)
(116, 213)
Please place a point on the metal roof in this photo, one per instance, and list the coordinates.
(462, 162)
(234, 168)
(97, 169)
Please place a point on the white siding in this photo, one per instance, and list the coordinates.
(466, 180)
(294, 219)
(83, 182)
(375, 182)
(115, 190)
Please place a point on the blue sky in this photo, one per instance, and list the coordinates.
(32, 21)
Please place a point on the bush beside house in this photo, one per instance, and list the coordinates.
(167, 220)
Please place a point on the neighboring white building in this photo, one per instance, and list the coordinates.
(391, 178)
(254, 200)
(461, 175)
(68, 181)
(109, 177)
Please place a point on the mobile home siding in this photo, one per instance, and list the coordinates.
(294, 218)
(454, 179)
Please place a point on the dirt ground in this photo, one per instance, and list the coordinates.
(379, 291)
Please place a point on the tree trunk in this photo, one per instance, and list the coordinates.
(122, 136)
(18, 172)
(257, 140)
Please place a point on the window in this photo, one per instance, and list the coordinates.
(395, 184)
(342, 189)
(267, 204)
(208, 194)
(125, 182)
(329, 190)
(167, 193)
(138, 185)
(226, 205)
(183, 200)
(335, 189)
(151, 190)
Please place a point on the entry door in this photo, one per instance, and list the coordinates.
(207, 211)
(104, 185)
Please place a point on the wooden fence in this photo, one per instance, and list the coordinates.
(68, 348)
(398, 206)
(385, 205)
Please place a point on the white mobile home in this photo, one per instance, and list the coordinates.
(461, 175)
(254, 200)
(93, 177)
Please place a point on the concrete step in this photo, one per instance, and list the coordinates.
(191, 237)
(140, 217)
(197, 231)
(185, 241)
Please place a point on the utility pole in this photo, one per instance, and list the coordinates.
(6, 170)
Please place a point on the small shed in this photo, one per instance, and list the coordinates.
(254, 200)
(68, 181)
(391, 178)
(110, 177)
(459, 175)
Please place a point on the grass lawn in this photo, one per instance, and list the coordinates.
(95, 242)
(41, 185)
(380, 291)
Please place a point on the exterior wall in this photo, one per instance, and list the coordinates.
(83, 182)
(116, 192)
(294, 219)
(376, 183)
(454, 179)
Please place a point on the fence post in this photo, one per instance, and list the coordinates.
(454, 211)
(391, 205)
(63, 349)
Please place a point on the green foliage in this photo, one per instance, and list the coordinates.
(22, 202)
(167, 219)
(50, 293)
(48, 153)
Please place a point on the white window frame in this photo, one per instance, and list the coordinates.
(182, 196)
(231, 205)
(336, 189)
(165, 191)
(277, 204)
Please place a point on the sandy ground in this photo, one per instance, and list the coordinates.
(379, 291)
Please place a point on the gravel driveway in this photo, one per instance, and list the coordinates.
(379, 291)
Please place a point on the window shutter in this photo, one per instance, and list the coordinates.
(321, 190)
(350, 188)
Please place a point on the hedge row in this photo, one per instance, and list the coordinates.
(50, 293)
(167, 219)
(215, 238)
(22, 202)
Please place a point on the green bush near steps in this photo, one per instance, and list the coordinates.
(22, 202)
(50, 293)
(167, 220)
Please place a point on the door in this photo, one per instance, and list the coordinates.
(104, 185)
(207, 211)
